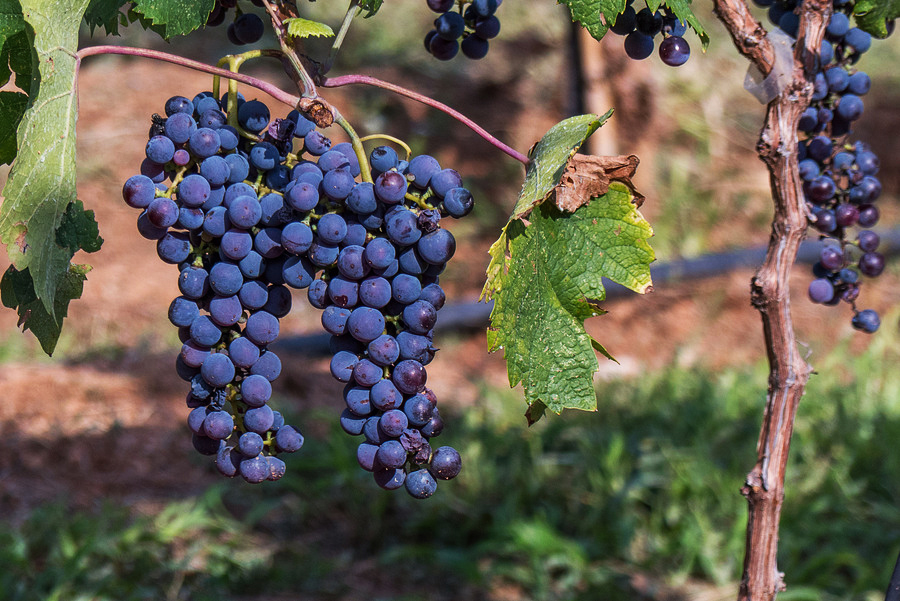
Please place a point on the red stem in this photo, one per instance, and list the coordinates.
(344, 80)
(274, 92)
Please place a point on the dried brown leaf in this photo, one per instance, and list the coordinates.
(588, 176)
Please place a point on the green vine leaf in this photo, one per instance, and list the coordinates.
(13, 42)
(576, 221)
(550, 156)
(41, 221)
(175, 17)
(17, 292)
(371, 6)
(872, 15)
(304, 28)
(105, 14)
(12, 108)
(552, 284)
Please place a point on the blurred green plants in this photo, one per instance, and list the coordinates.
(635, 501)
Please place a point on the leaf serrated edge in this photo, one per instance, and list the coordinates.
(298, 27)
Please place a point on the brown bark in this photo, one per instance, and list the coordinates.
(788, 370)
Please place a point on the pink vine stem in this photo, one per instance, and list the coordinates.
(274, 92)
(345, 80)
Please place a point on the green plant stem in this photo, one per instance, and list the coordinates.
(352, 11)
(357, 146)
(303, 78)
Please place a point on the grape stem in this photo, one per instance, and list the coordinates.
(357, 144)
(292, 58)
(352, 11)
(345, 80)
(274, 92)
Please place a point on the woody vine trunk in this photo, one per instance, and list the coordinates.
(770, 295)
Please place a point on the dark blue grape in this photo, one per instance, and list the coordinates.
(343, 292)
(183, 311)
(160, 149)
(217, 370)
(243, 353)
(366, 373)
(225, 310)
(365, 324)
(625, 22)
(437, 247)
(384, 158)
(179, 127)
(316, 144)
(256, 390)
(139, 191)
(238, 168)
(390, 187)
(357, 399)
(251, 444)
(334, 320)
(323, 255)
(674, 51)
(236, 244)
(474, 47)
(317, 293)
(279, 300)
(406, 289)
(225, 278)
(420, 484)
(867, 321)
(352, 424)
(192, 354)
(409, 376)
(288, 439)
(871, 264)
(458, 202)
(420, 317)
(365, 455)
(446, 463)
(450, 25)
(384, 350)
(384, 396)
(261, 328)
(418, 410)
(375, 292)
(204, 142)
(268, 366)
(179, 104)
(298, 272)
(253, 116)
(163, 212)
(401, 227)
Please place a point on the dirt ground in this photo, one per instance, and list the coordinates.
(106, 420)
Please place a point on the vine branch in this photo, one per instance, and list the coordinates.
(274, 92)
(345, 80)
(769, 288)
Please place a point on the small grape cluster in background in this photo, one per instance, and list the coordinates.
(839, 176)
(245, 218)
(474, 24)
(641, 27)
(247, 28)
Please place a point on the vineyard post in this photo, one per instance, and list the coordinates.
(769, 288)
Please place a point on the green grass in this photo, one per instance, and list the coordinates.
(570, 509)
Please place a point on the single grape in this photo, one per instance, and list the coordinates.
(638, 46)
(674, 51)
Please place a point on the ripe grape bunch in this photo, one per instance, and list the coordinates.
(474, 23)
(245, 218)
(247, 28)
(839, 176)
(640, 27)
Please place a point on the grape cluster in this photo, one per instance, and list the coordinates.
(641, 27)
(839, 176)
(474, 24)
(247, 28)
(246, 218)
